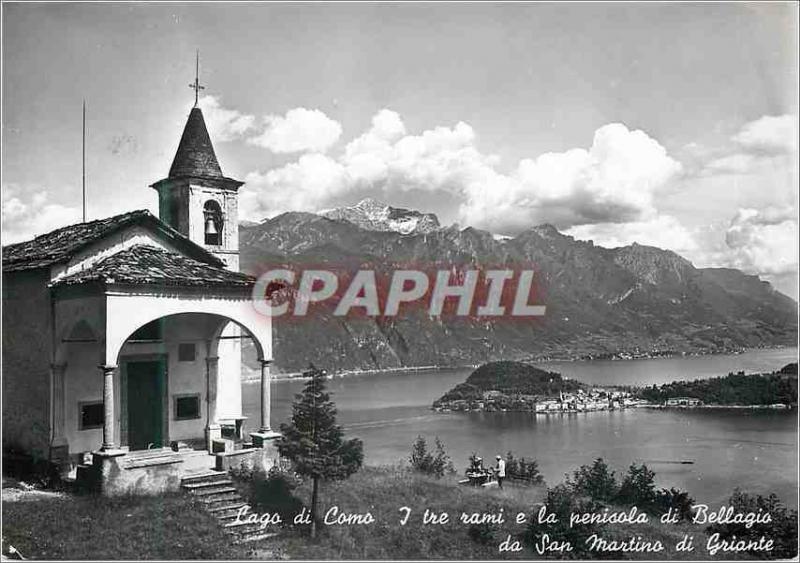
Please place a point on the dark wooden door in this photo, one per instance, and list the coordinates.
(146, 390)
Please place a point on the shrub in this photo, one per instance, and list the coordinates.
(638, 487)
(34, 470)
(679, 501)
(782, 529)
(483, 533)
(562, 500)
(271, 491)
(596, 481)
(523, 469)
(430, 463)
(243, 473)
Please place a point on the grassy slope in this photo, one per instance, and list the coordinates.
(173, 527)
(383, 490)
(90, 527)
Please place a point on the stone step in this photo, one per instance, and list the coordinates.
(223, 501)
(241, 535)
(199, 485)
(241, 525)
(231, 515)
(144, 454)
(222, 508)
(243, 529)
(247, 538)
(204, 477)
(220, 498)
(215, 489)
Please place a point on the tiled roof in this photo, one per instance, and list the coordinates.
(195, 155)
(144, 264)
(62, 244)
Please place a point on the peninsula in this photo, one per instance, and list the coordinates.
(517, 386)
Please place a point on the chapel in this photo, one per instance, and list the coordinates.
(122, 336)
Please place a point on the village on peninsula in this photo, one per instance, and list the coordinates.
(520, 387)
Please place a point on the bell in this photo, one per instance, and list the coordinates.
(211, 228)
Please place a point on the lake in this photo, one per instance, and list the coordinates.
(754, 450)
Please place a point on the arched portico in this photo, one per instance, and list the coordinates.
(111, 323)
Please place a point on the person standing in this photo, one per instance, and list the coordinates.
(500, 471)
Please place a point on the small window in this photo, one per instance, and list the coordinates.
(91, 415)
(187, 352)
(187, 407)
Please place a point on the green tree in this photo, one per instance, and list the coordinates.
(596, 481)
(315, 443)
(563, 501)
(638, 487)
(782, 529)
(679, 501)
(430, 463)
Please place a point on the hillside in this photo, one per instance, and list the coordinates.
(733, 389)
(508, 378)
(634, 299)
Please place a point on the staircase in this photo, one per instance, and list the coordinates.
(216, 492)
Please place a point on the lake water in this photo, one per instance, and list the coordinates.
(754, 450)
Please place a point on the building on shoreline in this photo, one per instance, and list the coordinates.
(683, 402)
(597, 399)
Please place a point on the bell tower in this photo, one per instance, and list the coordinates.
(195, 198)
(198, 201)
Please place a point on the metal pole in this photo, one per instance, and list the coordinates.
(83, 162)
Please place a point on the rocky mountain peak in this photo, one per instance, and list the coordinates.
(373, 215)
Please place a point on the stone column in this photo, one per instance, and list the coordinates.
(57, 372)
(265, 432)
(213, 430)
(59, 447)
(108, 407)
(266, 398)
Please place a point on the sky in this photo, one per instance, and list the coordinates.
(669, 124)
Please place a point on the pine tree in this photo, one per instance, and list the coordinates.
(315, 443)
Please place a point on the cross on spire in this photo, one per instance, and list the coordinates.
(196, 86)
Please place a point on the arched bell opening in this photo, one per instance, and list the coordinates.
(213, 223)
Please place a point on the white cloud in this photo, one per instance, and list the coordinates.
(299, 130)
(737, 163)
(763, 241)
(663, 231)
(615, 180)
(27, 212)
(769, 142)
(224, 124)
(297, 186)
(610, 192)
(769, 134)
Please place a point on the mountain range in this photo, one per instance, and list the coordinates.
(630, 301)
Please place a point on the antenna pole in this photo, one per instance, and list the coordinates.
(83, 162)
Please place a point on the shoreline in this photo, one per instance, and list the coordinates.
(773, 407)
(298, 375)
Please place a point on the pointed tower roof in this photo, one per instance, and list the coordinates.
(195, 156)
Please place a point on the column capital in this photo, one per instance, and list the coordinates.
(265, 362)
(58, 367)
(107, 367)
